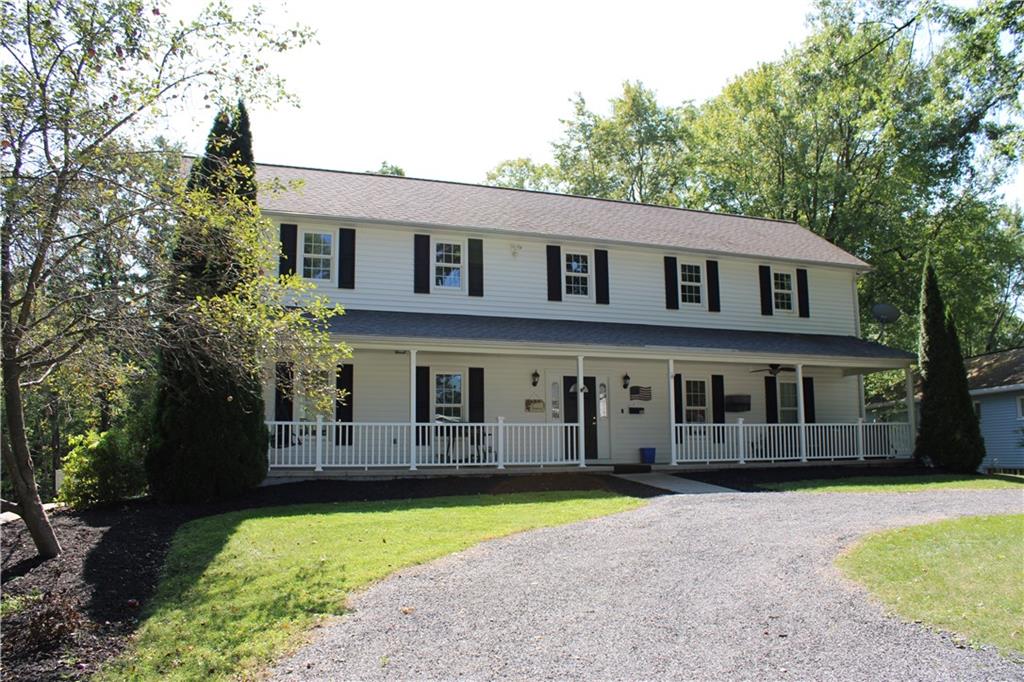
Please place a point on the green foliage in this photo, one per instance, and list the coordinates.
(209, 437)
(962, 575)
(240, 588)
(102, 468)
(388, 169)
(949, 435)
(523, 173)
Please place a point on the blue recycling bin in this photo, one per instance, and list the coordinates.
(647, 455)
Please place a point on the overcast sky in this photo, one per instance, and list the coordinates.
(446, 90)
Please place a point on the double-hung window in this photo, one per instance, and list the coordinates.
(448, 395)
(787, 403)
(782, 290)
(577, 274)
(316, 256)
(696, 391)
(690, 283)
(448, 265)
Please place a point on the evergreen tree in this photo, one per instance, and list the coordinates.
(210, 440)
(949, 435)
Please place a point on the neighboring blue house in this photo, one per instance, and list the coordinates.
(996, 384)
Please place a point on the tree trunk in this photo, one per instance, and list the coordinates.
(19, 466)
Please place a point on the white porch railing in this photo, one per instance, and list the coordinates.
(336, 445)
(740, 442)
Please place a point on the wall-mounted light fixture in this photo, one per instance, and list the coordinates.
(625, 381)
(535, 378)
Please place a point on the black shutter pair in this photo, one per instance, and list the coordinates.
(288, 261)
(803, 299)
(673, 283)
(771, 400)
(556, 270)
(717, 398)
(422, 265)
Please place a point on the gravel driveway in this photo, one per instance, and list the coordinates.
(722, 586)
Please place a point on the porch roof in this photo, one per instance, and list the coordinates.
(386, 325)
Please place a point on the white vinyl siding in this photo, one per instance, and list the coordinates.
(516, 273)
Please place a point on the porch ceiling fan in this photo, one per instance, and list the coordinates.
(773, 369)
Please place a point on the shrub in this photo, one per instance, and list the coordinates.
(51, 619)
(102, 468)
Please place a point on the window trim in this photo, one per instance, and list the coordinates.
(463, 244)
(463, 406)
(301, 253)
(794, 305)
(703, 304)
(706, 380)
(778, 400)
(589, 253)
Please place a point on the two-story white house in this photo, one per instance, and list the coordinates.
(501, 328)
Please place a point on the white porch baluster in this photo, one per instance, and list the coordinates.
(412, 409)
(501, 442)
(319, 443)
(860, 438)
(742, 441)
(672, 413)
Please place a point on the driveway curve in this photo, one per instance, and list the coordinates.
(721, 586)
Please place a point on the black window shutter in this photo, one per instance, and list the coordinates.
(802, 298)
(718, 398)
(765, 275)
(554, 273)
(289, 241)
(809, 415)
(421, 265)
(423, 389)
(671, 283)
(771, 401)
(678, 380)
(476, 267)
(714, 302)
(476, 395)
(601, 273)
(343, 409)
(346, 258)
(282, 392)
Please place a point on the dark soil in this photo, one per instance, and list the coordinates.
(92, 594)
(748, 479)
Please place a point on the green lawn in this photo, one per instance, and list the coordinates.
(239, 589)
(898, 484)
(965, 576)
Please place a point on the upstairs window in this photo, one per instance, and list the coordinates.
(787, 403)
(690, 283)
(448, 396)
(447, 265)
(316, 256)
(696, 401)
(577, 274)
(782, 290)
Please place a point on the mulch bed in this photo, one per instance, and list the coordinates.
(749, 479)
(94, 591)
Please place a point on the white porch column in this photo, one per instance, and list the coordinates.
(412, 409)
(672, 410)
(580, 411)
(800, 411)
(908, 382)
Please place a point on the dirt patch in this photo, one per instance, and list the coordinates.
(112, 559)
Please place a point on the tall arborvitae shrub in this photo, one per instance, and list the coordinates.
(949, 436)
(210, 439)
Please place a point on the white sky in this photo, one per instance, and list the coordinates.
(446, 90)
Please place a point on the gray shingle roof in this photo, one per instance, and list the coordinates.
(430, 326)
(362, 196)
